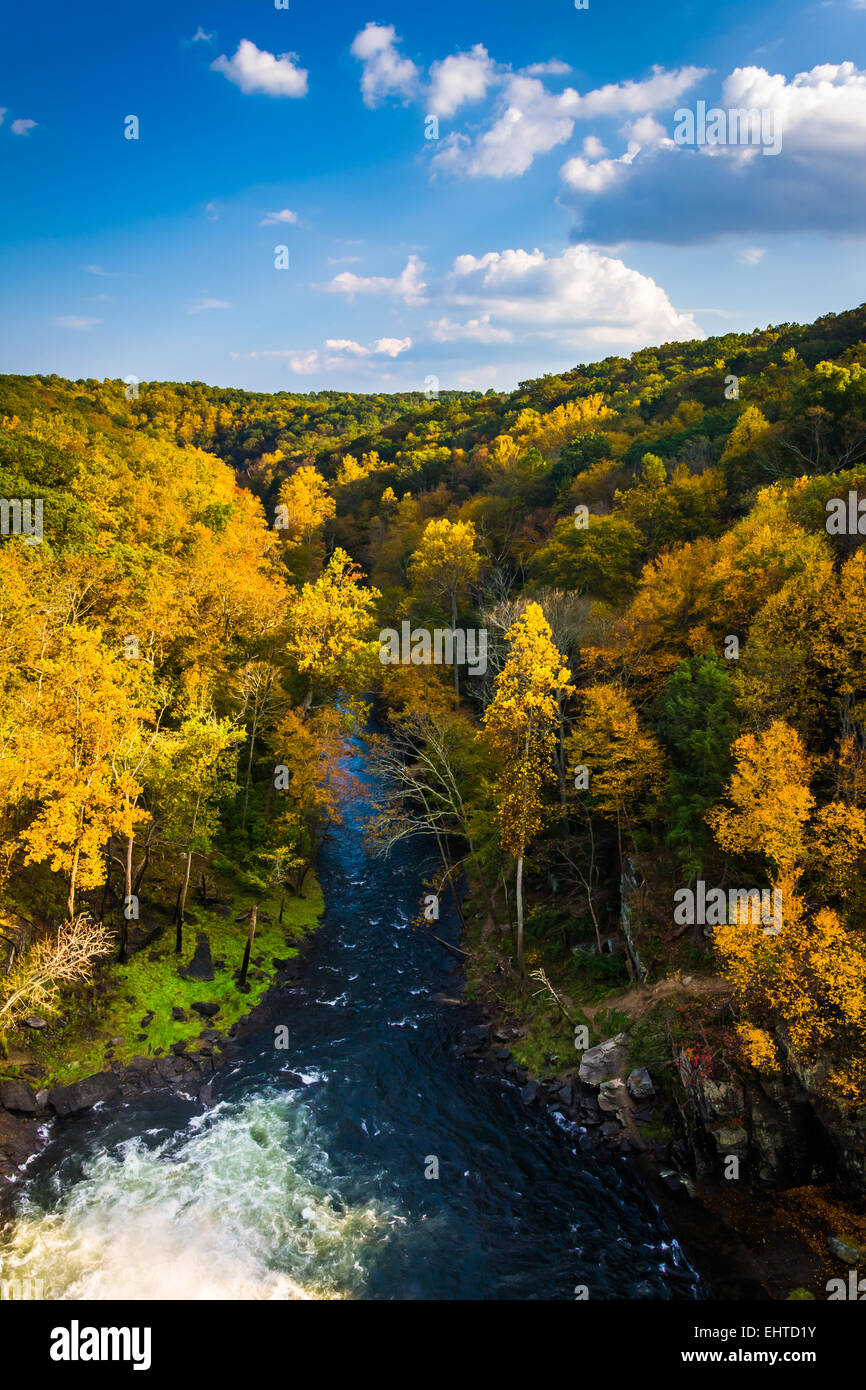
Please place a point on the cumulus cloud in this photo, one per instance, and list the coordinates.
(460, 78)
(580, 297)
(478, 330)
(22, 126)
(385, 71)
(272, 218)
(334, 353)
(257, 72)
(408, 285)
(751, 255)
(531, 120)
(686, 194)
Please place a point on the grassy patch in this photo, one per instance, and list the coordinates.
(124, 994)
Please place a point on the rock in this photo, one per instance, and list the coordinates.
(206, 1010)
(178, 1016)
(83, 1095)
(613, 1097)
(566, 1094)
(179, 1047)
(118, 1042)
(478, 1033)
(42, 1098)
(604, 1062)
(672, 1180)
(849, 1254)
(34, 1021)
(146, 1021)
(17, 1095)
(201, 965)
(501, 1054)
(611, 1129)
(529, 1092)
(291, 1078)
(210, 1034)
(640, 1085)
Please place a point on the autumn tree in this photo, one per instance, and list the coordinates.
(445, 564)
(520, 732)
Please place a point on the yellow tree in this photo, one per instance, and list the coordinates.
(520, 726)
(330, 632)
(303, 507)
(623, 762)
(445, 564)
(85, 794)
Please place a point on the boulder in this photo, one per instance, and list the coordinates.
(604, 1062)
(83, 1095)
(529, 1093)
(205, 1009)
(17, 1095)
(613, 1097)
(640, 1085)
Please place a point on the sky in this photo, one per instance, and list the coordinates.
(397, 196)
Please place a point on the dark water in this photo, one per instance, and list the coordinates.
(319, 1189)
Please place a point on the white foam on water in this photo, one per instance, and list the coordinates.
(241, 1205)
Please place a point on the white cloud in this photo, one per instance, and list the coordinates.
(204, 304)
(303, 363)
(3, 110)
(335, 352)
(22, 126)
(593, 148)
(821, 111)
(286, 215)
(681, 193)
(385, 71)
(578, 173)
(578, 298)
(554, 68)
(98, 270)
(751, 255)
(75, 321)
(256, 71)
(478, 330)
(532, 120)
(407, 286)
(200, 36)
(211, 212)
(460, 78)
(392, 347)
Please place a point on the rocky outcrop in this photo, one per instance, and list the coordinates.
(766, 1124)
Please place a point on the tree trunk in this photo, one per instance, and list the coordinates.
(73, 876)
(249, 774)
(181, 904)
(249, 946)
(454, 639)
(124, 922)
(520, 961)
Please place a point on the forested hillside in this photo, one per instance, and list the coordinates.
(665, 556)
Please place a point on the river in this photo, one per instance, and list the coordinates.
(315, 1187)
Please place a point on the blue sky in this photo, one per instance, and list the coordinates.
(555, 218)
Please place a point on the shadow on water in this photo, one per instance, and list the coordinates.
(313, 1185)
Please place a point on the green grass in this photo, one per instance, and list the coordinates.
(153, 984)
